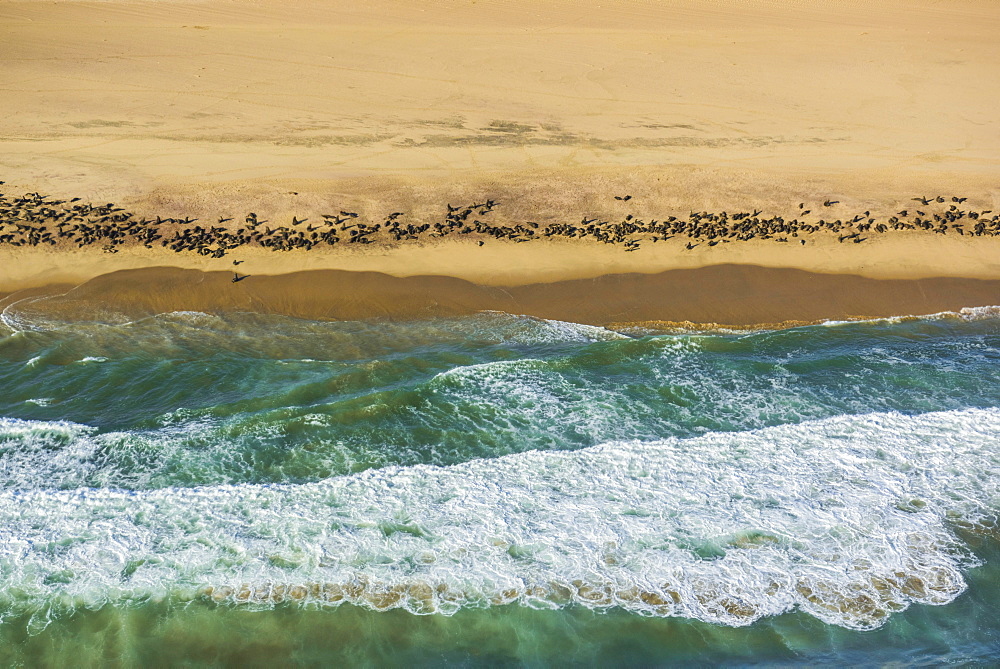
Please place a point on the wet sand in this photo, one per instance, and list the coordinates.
(724, 295)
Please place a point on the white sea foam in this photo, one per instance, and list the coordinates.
(521, 329)
(535, 391)
(40, 401)
(522, 387)
(964, 314)
(977, 313)
(13, 320)
(48, 453)
(63, 454)
(36, 314)
(847, 518)
(195, 319)
(569, 331)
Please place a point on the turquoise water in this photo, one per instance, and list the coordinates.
(498, 489)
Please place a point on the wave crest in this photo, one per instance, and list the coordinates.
(849, 519)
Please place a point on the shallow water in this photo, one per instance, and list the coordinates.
(498, 489)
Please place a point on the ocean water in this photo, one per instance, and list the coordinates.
(498, 489)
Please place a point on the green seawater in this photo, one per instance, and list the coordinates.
(497, 490)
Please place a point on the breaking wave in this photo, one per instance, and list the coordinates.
(849, 519)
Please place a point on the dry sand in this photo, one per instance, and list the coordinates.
(216, 108)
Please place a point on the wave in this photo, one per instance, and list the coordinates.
(256, 398)
(849, 519)
(646, 328)
(248, 327)
(967, 314)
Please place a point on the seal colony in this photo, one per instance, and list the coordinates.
(34, 219)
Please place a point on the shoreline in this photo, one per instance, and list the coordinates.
(714, 297)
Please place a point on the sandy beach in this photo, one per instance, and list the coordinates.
(208, 111)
